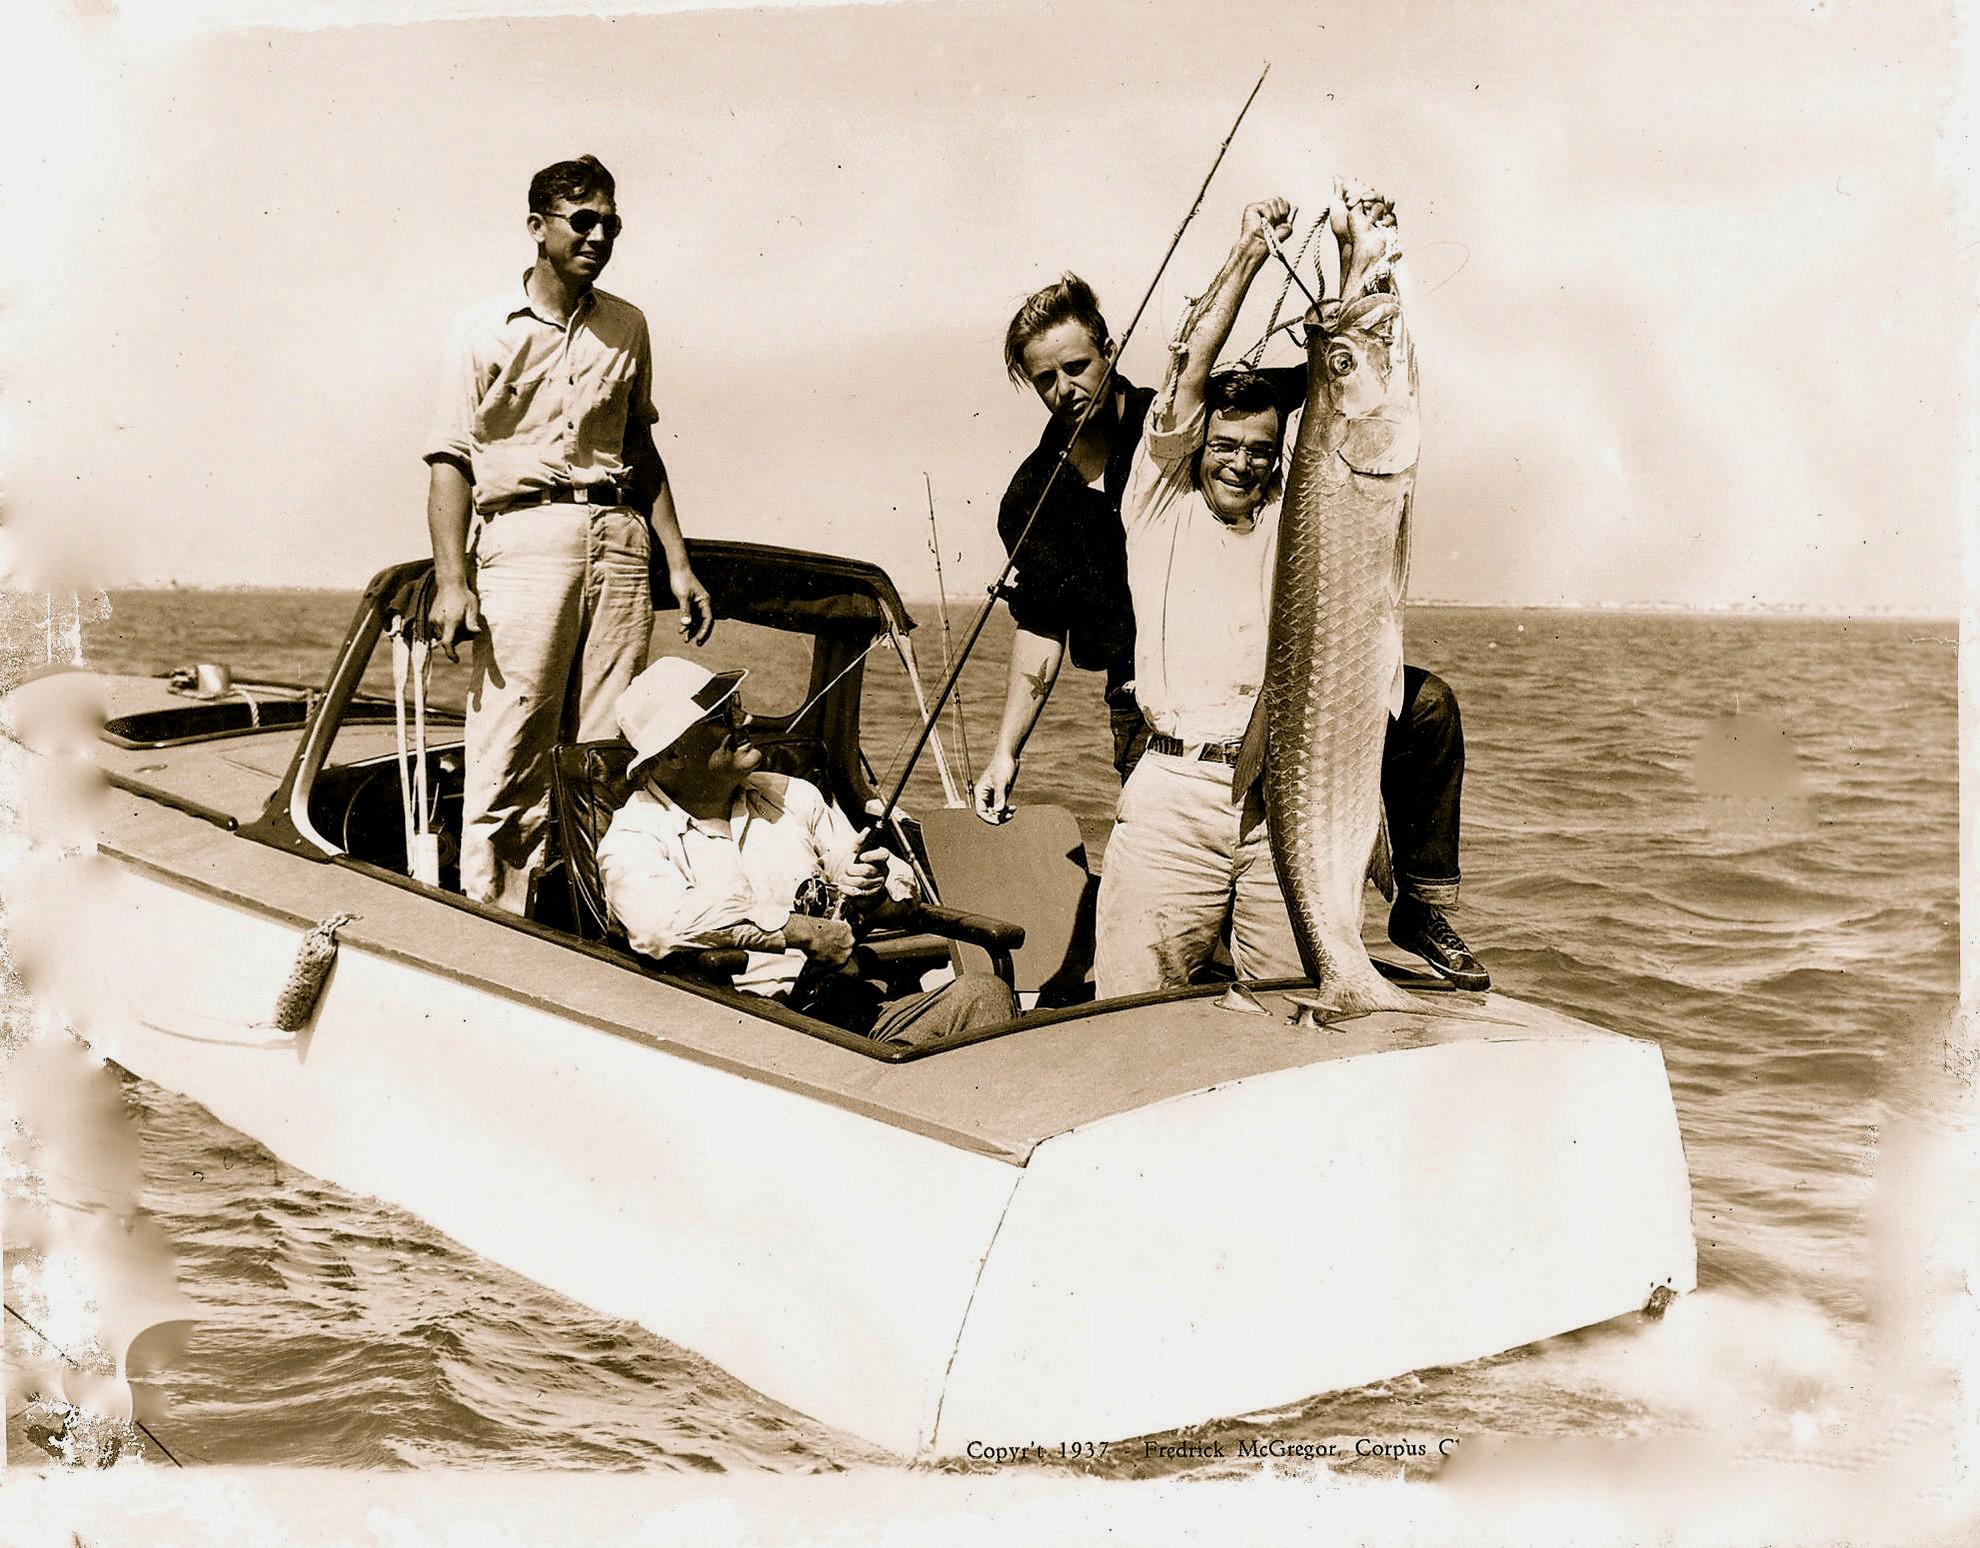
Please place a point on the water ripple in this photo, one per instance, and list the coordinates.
(1735, 836)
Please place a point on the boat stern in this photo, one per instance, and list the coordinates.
(1319, 1227)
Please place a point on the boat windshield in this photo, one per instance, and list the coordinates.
(830, 698)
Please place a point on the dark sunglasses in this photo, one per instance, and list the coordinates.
(584, 222)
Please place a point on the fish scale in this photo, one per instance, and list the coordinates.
(1335, 641)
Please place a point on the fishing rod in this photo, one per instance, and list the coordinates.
(1101, 394)
(942, 611)
(1293, 275)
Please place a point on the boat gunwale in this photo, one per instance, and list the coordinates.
(613, 1012)
(756, 1005)
(834, 1096)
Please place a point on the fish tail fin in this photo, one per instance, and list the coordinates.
(1251, 754)
(1381, 860)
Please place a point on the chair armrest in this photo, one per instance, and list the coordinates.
(993, 935)
(717, 963)
(998, 937)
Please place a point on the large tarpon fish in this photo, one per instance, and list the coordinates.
(1333, 665)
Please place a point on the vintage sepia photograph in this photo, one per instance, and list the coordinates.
(955, 769)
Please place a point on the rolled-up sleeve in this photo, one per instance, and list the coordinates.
(452, 434)
(1176, 443)
(1037, 591)
(639, 406)
(1159, 476)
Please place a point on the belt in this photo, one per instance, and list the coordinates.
(1209, 752)
(563, 494)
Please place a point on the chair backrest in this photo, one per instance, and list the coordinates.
(1030, 871)
(587, 785)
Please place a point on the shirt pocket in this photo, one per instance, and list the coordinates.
(506, 407)
(607, 398)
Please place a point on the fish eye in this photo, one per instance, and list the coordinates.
(1340, 360)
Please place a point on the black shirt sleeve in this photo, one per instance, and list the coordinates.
(1036, 589)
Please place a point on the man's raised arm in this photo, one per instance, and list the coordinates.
(1211, 318)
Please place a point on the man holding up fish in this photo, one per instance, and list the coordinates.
(1189, 854)
(1070, 597)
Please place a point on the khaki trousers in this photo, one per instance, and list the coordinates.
(566, 616)
(1183, 859)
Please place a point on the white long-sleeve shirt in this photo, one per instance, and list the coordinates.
(672, 881)
(1202, 590)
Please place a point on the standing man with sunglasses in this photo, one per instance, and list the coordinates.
(544, 496)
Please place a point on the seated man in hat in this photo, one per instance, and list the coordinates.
(710, 851)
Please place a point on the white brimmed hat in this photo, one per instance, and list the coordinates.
(658, 706)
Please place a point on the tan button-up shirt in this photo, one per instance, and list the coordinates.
(529, 405)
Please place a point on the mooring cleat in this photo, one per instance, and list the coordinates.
(1238, 998)
(1308, 1012)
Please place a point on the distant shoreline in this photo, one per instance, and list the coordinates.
(927, 605)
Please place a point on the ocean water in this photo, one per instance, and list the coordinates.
(1736, 836)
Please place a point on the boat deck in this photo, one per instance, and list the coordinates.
(1001, 1096)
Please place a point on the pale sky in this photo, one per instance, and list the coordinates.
(1690, 285)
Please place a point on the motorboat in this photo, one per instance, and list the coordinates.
(1103, 1219)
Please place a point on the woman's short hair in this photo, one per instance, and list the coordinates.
(573, 180)
(1067, 299)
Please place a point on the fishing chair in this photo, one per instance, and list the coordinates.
(588, 784)
(1031, 868)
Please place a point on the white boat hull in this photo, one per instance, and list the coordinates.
(1317, 1229)
(1156, 1263)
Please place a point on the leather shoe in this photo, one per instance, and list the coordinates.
(1418, 927)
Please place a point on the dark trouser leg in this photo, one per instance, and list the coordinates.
(1422, 781)
(1130, 730)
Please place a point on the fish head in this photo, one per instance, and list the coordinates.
(1363, 369)
(1361, 353)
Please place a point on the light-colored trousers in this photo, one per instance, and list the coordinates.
(1184, 859)
(566, 615)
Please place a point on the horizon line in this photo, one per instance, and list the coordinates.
(1751, 609)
